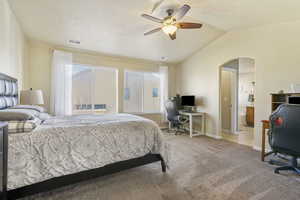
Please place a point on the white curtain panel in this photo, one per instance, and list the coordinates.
(164, 88)
(61, 83)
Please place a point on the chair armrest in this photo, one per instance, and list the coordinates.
(183, 119)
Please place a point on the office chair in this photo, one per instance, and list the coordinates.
(284, 134)
(173, 116)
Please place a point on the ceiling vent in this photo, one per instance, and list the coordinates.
(74, 41)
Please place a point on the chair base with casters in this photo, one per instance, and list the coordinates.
(178, 127)
(292, 167)
(174, 117)
(277, 162)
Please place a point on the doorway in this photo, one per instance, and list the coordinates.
(237, 88)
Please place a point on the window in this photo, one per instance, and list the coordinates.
(142, 92)
(94, 89)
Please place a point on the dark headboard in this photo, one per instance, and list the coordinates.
(8, 91)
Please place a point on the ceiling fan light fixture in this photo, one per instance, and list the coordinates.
(169, 29)
(171, 23)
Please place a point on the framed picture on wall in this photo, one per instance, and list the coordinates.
(126, 94)
(154, 92)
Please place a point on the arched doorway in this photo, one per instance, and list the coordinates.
(237, 95)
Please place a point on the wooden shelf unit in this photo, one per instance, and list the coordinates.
(278, 99)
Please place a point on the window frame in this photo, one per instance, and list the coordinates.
(116, 70)
(143, 88)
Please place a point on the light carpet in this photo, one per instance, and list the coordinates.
(201, 168)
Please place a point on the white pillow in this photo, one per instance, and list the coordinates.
(44, 116)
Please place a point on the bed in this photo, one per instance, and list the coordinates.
(66, 150)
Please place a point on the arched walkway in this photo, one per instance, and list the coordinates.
(237, 95)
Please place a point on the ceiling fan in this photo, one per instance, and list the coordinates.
(170, 23)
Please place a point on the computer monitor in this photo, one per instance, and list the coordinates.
(188, 100)
(294, 100)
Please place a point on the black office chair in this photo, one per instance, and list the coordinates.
(284, 134)
(174, 117)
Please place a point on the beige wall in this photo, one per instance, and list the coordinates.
(13, 45)
(276, 50)
(40, 67)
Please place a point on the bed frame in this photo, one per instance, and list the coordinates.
(82, 176)
(58, 182)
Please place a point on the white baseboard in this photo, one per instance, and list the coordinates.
(218, 137)
(226, 131)
(230, 132)
(258, 148)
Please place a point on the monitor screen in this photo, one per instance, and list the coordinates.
(294, 100)
(188, 100)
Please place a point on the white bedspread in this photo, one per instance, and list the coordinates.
(66, 145)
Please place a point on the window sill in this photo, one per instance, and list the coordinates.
(144, 113)
(87, 111)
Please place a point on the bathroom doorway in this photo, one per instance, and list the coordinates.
(237, 89)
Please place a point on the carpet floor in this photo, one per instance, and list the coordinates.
(200, 168)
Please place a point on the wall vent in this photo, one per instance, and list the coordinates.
(74, 41)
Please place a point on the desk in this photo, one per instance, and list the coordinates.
(265, 126)
(191, 115)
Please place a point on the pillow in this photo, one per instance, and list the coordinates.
(23, 126)
(30, 107)
(17, 114)
(44, 116)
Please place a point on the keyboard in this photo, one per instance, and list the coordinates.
(188, 111)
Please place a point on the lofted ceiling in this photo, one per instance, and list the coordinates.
(116, 28)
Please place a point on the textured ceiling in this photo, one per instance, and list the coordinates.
(115, 27)
(239, 14)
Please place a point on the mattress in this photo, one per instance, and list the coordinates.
(67, 145)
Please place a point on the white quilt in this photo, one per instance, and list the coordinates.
(66, 145)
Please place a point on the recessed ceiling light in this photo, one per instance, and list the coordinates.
(74, 41)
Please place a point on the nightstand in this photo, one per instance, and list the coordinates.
(3, 158)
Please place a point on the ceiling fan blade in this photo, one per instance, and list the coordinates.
(156, 5)
(173, 36)
(187, 25)
(182, 11)
(152, 31)
(152, 18)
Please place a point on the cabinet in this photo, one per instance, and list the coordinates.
(250, 116)
(282, 98)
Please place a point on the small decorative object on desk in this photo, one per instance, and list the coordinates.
(280, 92)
